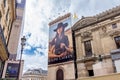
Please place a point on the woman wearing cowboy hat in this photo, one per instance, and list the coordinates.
(60, 43)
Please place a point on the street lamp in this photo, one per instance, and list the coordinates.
(23, 40)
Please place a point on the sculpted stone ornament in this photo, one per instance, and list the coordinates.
(104, 29)
(86, 34)
(103, 32)
(114, 32)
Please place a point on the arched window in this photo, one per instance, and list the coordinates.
(59, 74)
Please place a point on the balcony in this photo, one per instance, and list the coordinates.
(115, 54)
(3, 47)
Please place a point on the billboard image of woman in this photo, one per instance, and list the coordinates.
(60, 42)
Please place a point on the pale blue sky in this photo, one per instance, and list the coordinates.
(37, 17)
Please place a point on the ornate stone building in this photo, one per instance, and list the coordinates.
(17, 27)
(61, 68)
(7, 16)
(35, 74)
(11, 16)
(96, 38)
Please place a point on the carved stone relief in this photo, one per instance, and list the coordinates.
(87, 35)
(113, 33)
(103, 32)
(104, 29)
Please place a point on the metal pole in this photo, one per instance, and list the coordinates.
(20, 63)
(22, 44)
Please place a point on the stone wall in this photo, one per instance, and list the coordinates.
(67, 67)
(105, 77)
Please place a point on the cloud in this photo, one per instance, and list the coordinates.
(91, 7)
(34, 61)
(37, 17)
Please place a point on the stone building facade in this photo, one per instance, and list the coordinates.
(11, 68)
(15, 37)
(96, 37)
(17, 27)
(35, 74)
(7, 16)
(63, 67)
(11, 16)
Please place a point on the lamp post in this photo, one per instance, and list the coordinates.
(23, 40)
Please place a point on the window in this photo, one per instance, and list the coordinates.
(114, 25)
(3, 29)
(4, 3)
(59, 75)
(90, 72)
(88, 48)
(0, 15)
(117, 41)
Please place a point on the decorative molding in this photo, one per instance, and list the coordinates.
(63, 63)
(85, 59)
(103, 32)
(94, 57)
(87, 35)
(95, 29)
(113, 33)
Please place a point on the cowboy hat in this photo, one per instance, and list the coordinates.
(61, 25)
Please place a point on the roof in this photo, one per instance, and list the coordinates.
(35, 72)
(84, 21)
(87, 21)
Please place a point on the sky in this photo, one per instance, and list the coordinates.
(38, 14)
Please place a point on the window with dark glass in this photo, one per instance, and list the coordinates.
(59, 75)
(117, 41)
(88, 48)
(3, 29)
(90, 72)
(0, 15)
(4, 3)
(114, 25)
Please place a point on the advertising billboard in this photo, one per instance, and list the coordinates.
(60, 41)
(12, 70)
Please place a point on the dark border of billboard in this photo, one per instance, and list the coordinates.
(60, 40)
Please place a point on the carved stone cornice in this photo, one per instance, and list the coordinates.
(94, 57)
(85, 59)
(63, 63)
(77, 34)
